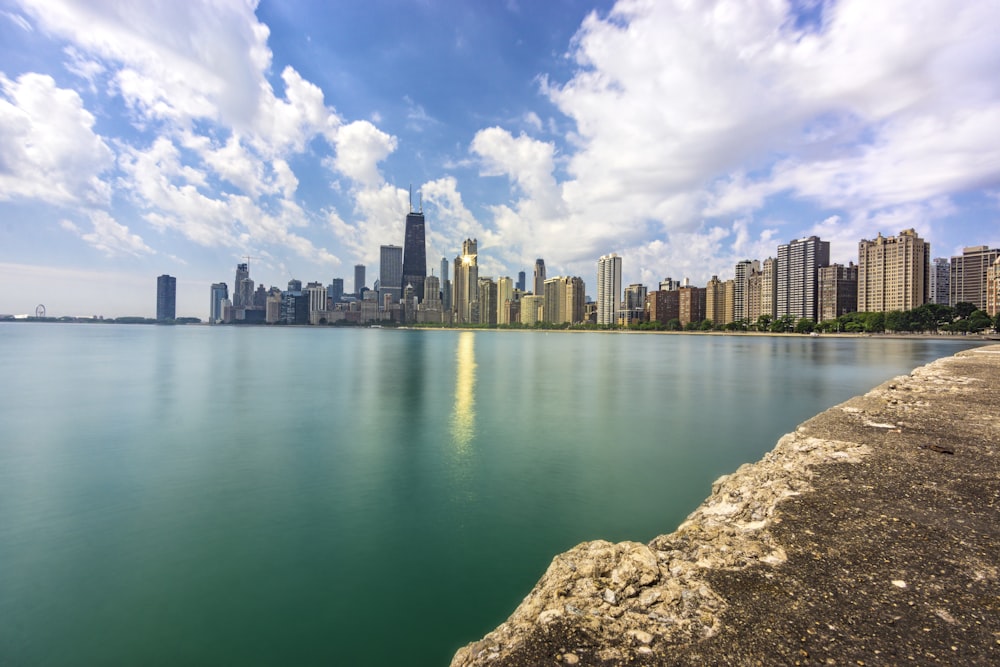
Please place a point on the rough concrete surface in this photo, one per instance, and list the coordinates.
(869, 536)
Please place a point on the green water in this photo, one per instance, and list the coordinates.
(270, 496)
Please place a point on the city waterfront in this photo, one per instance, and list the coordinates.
(262, 496)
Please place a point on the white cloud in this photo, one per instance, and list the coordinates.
(181, 61)
(109, 236)
(48, 148)
(360, 147)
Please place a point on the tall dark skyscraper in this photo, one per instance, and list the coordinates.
(359, 279)
(521, 278)
(166, 298)
(415, 253)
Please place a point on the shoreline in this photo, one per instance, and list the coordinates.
(869, 534)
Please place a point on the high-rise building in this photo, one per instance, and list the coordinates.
(893, 272)
(531, 309)
(609, 288)
(488, 309)
(692, 305)
(359, 279)
(669, 284)
(243, 288)
(754, 283)
(465, 288)
(993, 288)
(939, 282)
(838, 291)
(715, 301)
(505, 294)
(166, 298)
(390, 274)
(729, 290)
(664, 305)
(968, 275)
(797, 276)
(295, 286)
(521, 278)
(741, 284)
(539, 285)
(220, 294)
(336, 290)
(445, 286)
(564, 300)
(415, 253)
(769, 287)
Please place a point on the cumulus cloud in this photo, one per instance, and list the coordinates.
(109, 236)
(690, 115)
(48, 148)
(360, 147)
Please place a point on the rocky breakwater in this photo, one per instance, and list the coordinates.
(870, 535)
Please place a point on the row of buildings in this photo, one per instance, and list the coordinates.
(892, 273)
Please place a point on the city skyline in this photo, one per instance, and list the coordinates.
(184, 140)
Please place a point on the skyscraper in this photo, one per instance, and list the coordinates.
(336, 290)
(769, 287)
(715, 301)
(415, 253)
(390, 274)
(521, 280)
(465, 289)
(166, 298)
(993, 289)
(220, 292)
(243, 288)
(609, 288)
(445, 286)
(797, 276)
(505, 294)
(968, 275)
(940, 280)
(539, 285)
(359, 279)
(838, 291)
(744, 269)
(893, 272)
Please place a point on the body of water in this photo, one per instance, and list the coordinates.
(299, 496)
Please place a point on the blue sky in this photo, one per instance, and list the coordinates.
(151, 137)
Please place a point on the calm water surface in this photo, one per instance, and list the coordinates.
(270, 496)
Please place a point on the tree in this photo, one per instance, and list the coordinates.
(674, 324)
(978, 321)
(763, 322)
(964, 309)
(804, 326)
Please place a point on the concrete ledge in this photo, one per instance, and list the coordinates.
(870, 535)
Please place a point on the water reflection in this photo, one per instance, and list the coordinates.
(463, 418)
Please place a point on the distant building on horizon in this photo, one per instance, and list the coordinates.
(539, 284)
(993, 289)
(521, 278)
(445, 287)
(893, 272)
(220, 294)
(359, 280)
(166, 298)
(390, 274)
(465, 288)
(335, 292)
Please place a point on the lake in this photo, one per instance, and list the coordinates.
(314, 496)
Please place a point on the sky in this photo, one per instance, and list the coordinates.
(143, 138)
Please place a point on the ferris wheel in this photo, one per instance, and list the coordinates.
(40, 310)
